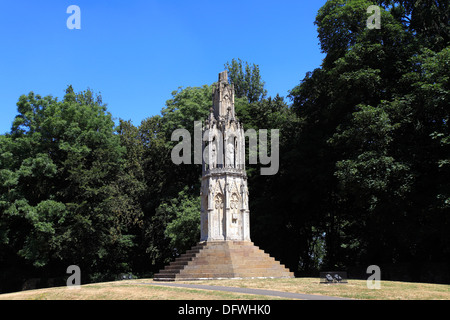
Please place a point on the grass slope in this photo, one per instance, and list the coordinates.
(355, 289)
(138, 290)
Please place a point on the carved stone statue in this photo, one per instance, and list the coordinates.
(230, 155)
(213, 156)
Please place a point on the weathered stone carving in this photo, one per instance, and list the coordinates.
(224, 173)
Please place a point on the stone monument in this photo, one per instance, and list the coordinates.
(225, 249)
(224, 194)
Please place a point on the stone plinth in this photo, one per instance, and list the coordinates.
(223, 259)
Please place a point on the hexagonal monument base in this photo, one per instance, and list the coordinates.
(223, 260)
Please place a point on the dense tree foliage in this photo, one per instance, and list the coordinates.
(377, 114)
(363, 177)
(64, 182)
(246, 79)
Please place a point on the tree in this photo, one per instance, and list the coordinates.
(428, 19)
(247, 80)
(374, 118)
(184, 229)
(165, 180)
(339, 23)
(63, 197)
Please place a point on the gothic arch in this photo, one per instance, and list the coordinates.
(219, 188)
(232, 150)
(219, 209)
(235, 207)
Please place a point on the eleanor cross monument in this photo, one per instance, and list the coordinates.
(224, 193)
(225, 250)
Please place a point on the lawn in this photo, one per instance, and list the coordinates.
(126, 290)
(139, 290)
(355, 289)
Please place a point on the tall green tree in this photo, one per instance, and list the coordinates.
(428, 19)
(246, 79)
(375, 125)
(165, 180)
(184, 228)
(63, 198)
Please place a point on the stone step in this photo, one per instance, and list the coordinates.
(170, 271)
(158, 277)
(216, 275)
(174, 267)
(182, 259)
(224, 274)
(253, 272)
(266, 271)
(192, 251)
(223, 259)
(205, 264)
(187, 255)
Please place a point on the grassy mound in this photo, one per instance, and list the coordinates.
(140, 290)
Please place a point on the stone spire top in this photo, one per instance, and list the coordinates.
(223, 76)
(223, 97)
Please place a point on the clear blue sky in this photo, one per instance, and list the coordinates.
(137, 52)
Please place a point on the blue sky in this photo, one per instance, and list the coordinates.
(137, 52)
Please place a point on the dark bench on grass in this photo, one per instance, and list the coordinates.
(333, 277)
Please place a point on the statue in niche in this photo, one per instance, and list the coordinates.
(213, 155)
(220, 213)
(219, 201)
(235, 153)
(226, 103)
(234, 206)
(230, 154)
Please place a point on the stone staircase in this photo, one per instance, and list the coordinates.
(223, 260)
